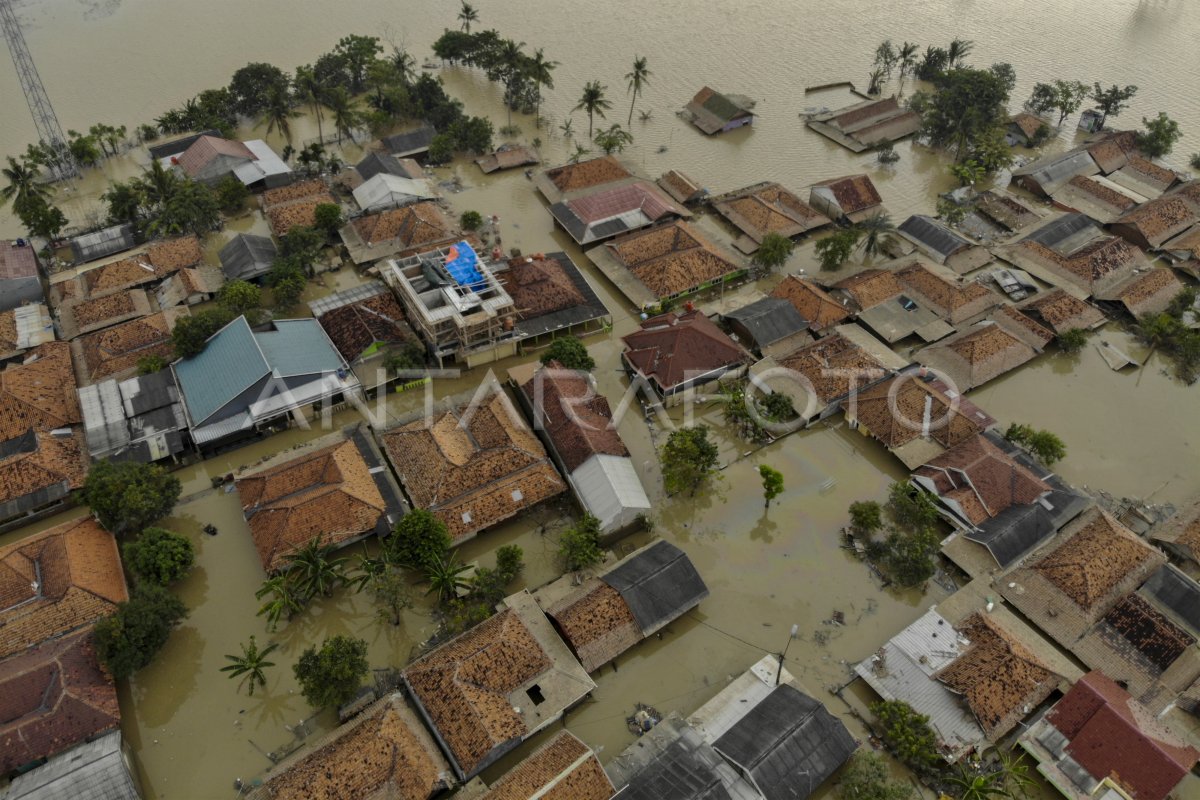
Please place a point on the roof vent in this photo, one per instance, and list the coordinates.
(517, 496)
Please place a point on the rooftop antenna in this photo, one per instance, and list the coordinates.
(50, 133)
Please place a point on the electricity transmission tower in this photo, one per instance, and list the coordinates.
(49, 131)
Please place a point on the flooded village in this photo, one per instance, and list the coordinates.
(481, 411)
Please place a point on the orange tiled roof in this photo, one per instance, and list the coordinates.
(562, 769)
(832, 364)
(1027, 123)
(57, 581)
(463, 686)
(1093, 262)
(206, 148)
(297, 214)
(1159, 219)
(1088, 565)
(44, 461)
(871, 287)
(39, 393)
(116, 349)
(586, 174)
(577, 420)
(1062, 312)
(894, 412)
(821, 310)
(770, 208)
(539, 287)
(327, 494)
(1151, 291)
(670, 259)
(413, 225)
(1028, 324)
(853, 193)
(172, 254)
(983, 344)
(953, 300)
(596, 622)
(294, 191)
(1102, 193)
(982, 479)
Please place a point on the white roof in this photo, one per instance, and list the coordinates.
(610, 489)
(266, 162)
(387, 191)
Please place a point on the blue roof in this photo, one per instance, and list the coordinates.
(461, 264)
(235, 358)
(299, 347)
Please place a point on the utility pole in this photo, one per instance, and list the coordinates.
(50, 133)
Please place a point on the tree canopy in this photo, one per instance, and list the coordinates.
(967, 105)
(159, 556)
(773, 251)
(129, 639)
(1112, 101)
(128, 496)
(418, 539)
(332, 675)
(570, 352)
(1160, 135)
(689, 458)
(579, 544)
(190, 333)
(252, 86)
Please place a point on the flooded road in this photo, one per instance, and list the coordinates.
(1135, 433)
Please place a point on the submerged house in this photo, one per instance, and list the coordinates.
(1047, 175)
(850, 199)
(771, 321)
(507, 156)
(867, 124)
(766, 208)
(365, 324)
(1062, 312)
(563, 766)
(210, 159)
(472, 470)
(138, 419)
(386, 191)
(398, 233)
(612, 210)
(411, 143)
(20, 279)
(1097, 198)
(374, 164)
(981, 352)
(102, 243)
(675, 353)
(618, 606)
(881, 304)
(812, 302)
(247, 257)
(101, 764)
(713, 112)
(1025, 129)
(1151, 224)
(295, 206)
(1147, 292)
(1072, 253)
(583, 440)
(551, 296)
(942, 244)
(491, 688)
(681, 187)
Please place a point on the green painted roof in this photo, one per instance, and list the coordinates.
(299, 347)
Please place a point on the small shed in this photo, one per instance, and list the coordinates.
(1023, 129)
(101, 243)
(375, 163)
(508, 156)
(852, 198)
(410, 143)
(386, 191)
(681, 188)
(765, 322)
(98, 769)
(247, 257)
(713, 112)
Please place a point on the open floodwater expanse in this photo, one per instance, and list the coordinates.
(1132, 434)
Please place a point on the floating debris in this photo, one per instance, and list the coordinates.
(643, 720)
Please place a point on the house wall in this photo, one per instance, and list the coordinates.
(740, 122)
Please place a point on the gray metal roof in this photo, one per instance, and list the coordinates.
(1051, 173)
(1059, 230)
(376, 163)
(659, 583)
(148, 392)
(230, 363)
(16, 292)
(410, 142)
(92, 771)
(674, 763)
(299, 347)
(770, 319)
(347, 297)
(788, 743)
(932, 235)
(1175, 592)
(99, 244)
(247, 256)
(104, 423)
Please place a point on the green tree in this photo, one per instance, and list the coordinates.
(287, 288)
(907, 735)
(874, 232)
(967, 104)
(251, 665)
(958, 50)
(129, 639)
(445, 576)
(540, 70)
(834, 249)
(1042, 444)
(613, 139)
(593, 102)
(328, 219)
(310, 91)
(190, 207)
(252, 86)
(1068, 97)
(866, 777)
(1195, 161)
(191, 333)
(886, 57)
(636, 80)
(278, 112)
(239, 297)
(689, 458)
(1112, 101)
(950, 212)
(128, 496)
(866, 516)
(910, 507)
(1159, 137)
(331, 676)
(907, 57)
(419, 539)
(579, 545)
(314, 570)
(472, 134)
(408, 356)
(471, 220)
(148, 365)
(978, 785)
(570, 352)
(344, 112)
(390, 590)
(467, 15)
(43, 220)
(772, 482)
(232, 194)
(1072, 341)
(357, 52)
(773, 251)
(933, 63)
(283, 600)
(1042, 100)
(159, 556)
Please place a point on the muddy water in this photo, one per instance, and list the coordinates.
(107, 60)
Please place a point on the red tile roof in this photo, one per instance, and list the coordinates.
(853, 193)
(833, 364)
(671, 259)
(562, 769)
(206, 148)
(356, 327)
(17, 262)
(821, 310)
(983, 479)
(672, 348)
(540, 286)
(117, 349)
(1112, 736)
(586, 174)
(577, 420)
(39, 393)
(894, 412)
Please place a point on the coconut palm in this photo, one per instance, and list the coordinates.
(466, 15)
(23, 187)
(308, 90)
(313, 570)
(284, 600)
(979, 787)
(250, 666)
(876, 80)
(636, 79)
(404, 64)
(567, 128)
(957, 51)
(874, 228)
(444, 574)
(908, 58)
(510, 62)
(613, 139)
(341, 108)
(593, 102)
(541, 72)
(279, 113)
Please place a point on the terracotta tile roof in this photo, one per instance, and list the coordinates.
(53, 697)
(475, 473)
(1154, 174)
(1189, 191)
(678, 185)
(1063, 312)
(954, 301)
(894, 411)
(1187, 242)
(978, 354)
(1000, 679)
(8, 331)
(577, 420)
(382, 754)
(1039, 333)
(1112, 736)
(1112, 151)
(354, 328)
(124, 274)
(1150, 292)
(672, 348)
(206, 148)
(1148, 631)
(1103, 194)
(596, 622)
(562, 769)
(78, 577)
(1005, 210)
(17, 262)
(586, 174)
(539, 287)
(1093, 263)
(116, 349)
(828, 362)
(1159, 220)
(298, 213)
(463, 686)
(172, 254)
(983, 344)
(769, 208)
(39, 393)
(43, 461)
(853, 193)
(871, 287)
(1027, 123)
(982, 479)
(1183, 530)
(417, 224)
(1089, 564)
(327, 494)
(203, 280)
(821, 310)
(671, 259)
(294, 191)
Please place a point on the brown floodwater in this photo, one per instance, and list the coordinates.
(1134, 433)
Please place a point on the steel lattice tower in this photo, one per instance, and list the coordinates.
(48, 129)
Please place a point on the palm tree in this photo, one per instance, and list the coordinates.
(593, 102)
(636, 79)
(341, 109)
(250, 665)
(510, 60)
(444, 574)
(279, 113)
(979, 787)
(958, 50)
(615, 138)
(876, 80)
(404, 64)
(160, 185)
(313, 570)
(23, 187)
(466, 15)
(908, 59)
(874, 228)
(367, 569)
(309, 90)
(540, 71)
(283, 600)
(567, 128)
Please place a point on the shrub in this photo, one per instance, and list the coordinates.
(570, 352)
(159, 555)
(331, 676)
(148, 365)
(471, 220)
(419, 540)
(1072, 341)
(129, 639)
(579, 545)
(403, 357)
(907, 735)
(231, 194)
(1042, 444)
(328, 219)
(773, 251)
(689, 459)
(190, 334)
(866, 517)
(866, 777)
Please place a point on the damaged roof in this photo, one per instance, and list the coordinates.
(671, 259)
(982, 479)
(821, 310)
(768, 208)
(356, 327)
(853, 194)
(562, 769)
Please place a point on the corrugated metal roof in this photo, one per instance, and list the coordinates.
(672, 762)
(659, 583)
(1175, 592)
(788, 743)
(389, 191)
(99, 244)
(103, 417)
(770, 319)
(96, 771)
(1059, 230)
(247, 256)
(932, 236)
(299, 347)
(229, 364)
(610, 488)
